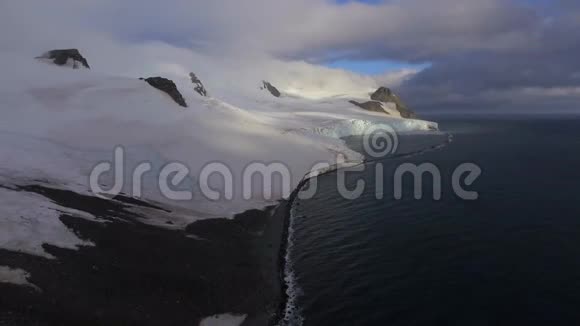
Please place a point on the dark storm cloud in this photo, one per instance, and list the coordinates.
(541, 74)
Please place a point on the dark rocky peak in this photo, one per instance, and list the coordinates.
(197, 84)
(273, 90)
(385, 95)
(61, 58)
(167, 86)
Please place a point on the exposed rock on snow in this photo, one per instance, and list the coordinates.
(198, 85)
(29, 221)
(167, 86)
(389, 108)
(66, 56)
(273, 90)
(385, 95)
(372, 106)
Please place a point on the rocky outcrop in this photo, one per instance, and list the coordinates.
(372, 106)
(65, 56)
(273, 90)
(167, 86)
(382, 94)
(197, 85)
(385, 95)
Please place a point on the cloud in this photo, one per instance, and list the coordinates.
(549, 62)
(313, 29)
(476, 47)
(394, 79)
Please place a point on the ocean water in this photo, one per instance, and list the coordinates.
(511, 257)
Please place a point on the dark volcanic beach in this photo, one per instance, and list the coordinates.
(137, 274)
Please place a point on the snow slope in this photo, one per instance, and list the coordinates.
(58, 123)
(15, 276)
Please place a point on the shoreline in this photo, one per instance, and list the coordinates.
(228, 266)
(288, 204)
(260, 237)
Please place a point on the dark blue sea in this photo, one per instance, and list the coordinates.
(511, 257)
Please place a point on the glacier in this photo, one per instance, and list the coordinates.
(58, 123)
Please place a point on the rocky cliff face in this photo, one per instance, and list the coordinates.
(63, 57)
(380, 98)
(197, 85)
(385, 95)
(167, 86)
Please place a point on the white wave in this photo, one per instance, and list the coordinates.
(292, 314)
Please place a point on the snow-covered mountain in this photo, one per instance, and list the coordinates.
(58, 123)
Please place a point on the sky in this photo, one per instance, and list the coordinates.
(470, 55)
